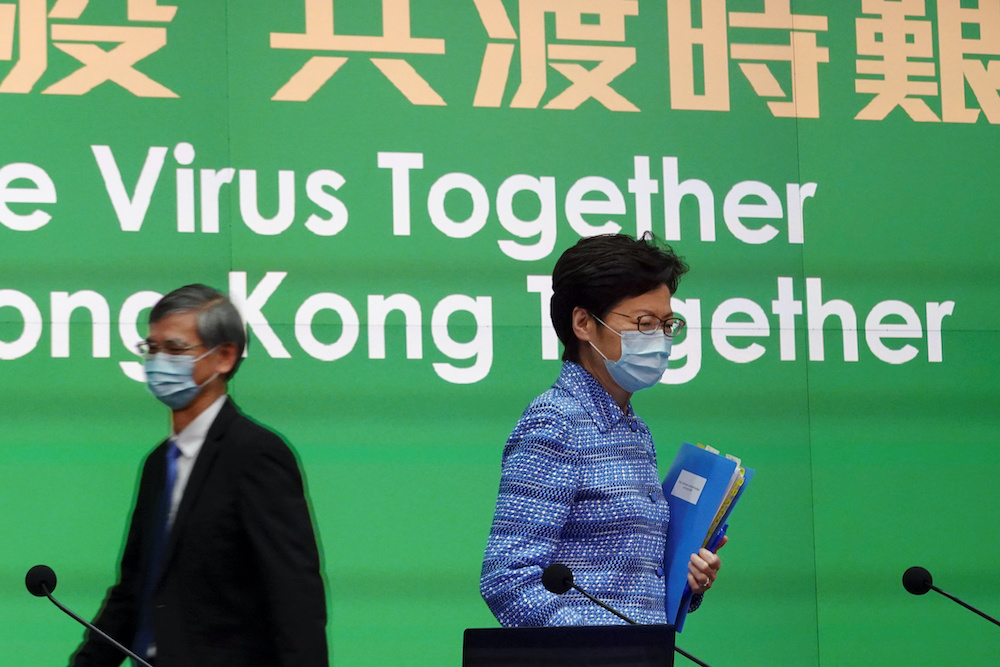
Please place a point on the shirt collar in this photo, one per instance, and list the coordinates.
(190, 440)
(594, 398)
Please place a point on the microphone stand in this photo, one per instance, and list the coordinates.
(918, 581)
(628, 620)
(128, 652)
(689, 656)
(967, 606)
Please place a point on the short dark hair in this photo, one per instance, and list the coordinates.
(218, 320)
(601, 271)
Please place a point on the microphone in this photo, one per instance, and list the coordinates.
(918, 581)
(558, 578)
(41, 581)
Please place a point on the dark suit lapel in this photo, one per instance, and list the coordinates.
(151, 496)
(214, 441)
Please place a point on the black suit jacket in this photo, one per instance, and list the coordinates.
(240, 584)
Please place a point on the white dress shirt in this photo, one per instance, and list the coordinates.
(189, 442)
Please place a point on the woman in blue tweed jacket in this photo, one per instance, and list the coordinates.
(579, 483)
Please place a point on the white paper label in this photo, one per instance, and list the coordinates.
(688, 487)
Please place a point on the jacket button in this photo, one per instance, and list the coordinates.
(659, 572)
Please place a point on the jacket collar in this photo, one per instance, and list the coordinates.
(594, 398)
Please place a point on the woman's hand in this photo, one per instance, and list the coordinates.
(703, 568)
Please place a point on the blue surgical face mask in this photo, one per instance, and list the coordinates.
(170, 377)
(643, 361)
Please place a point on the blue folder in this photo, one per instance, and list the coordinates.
(695, 487)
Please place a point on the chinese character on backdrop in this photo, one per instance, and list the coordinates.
(32, 27)
(578, 25)
(969, 40)
(798, 54)
(898, 64)
(396, 41)
(898, 50)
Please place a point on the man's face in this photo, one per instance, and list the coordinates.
(179, 331)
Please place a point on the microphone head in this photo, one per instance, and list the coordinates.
(917, 580)
(557, 578)
(40, 580)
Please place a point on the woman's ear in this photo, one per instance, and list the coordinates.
(583, 324)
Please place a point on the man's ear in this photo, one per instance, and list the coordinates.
(226, 358)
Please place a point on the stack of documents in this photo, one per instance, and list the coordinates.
(703, 487)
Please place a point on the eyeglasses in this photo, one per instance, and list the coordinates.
(650, 324)
(148, 348)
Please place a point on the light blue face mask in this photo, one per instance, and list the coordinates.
(170, 377)
(643, 361)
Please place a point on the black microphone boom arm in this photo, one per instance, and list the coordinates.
(918, 581)
(41, 580)
(557, 578)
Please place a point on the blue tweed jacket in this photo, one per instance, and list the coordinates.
(579, 486)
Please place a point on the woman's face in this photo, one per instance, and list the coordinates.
(622, 317)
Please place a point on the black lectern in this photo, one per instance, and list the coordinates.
(580, 646)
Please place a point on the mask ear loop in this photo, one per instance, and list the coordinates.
(609, 329)
(202, 385)
(617, 333)
(207, 353)
(598, 350)
(214, 375)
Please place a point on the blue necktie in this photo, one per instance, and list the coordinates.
(161, 531)
(173, 453)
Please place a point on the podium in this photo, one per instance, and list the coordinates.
(575, 646)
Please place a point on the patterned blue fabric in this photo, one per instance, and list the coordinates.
(579, 486)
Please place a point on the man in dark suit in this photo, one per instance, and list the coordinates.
(220, 566)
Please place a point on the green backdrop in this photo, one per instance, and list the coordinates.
(384, 187)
